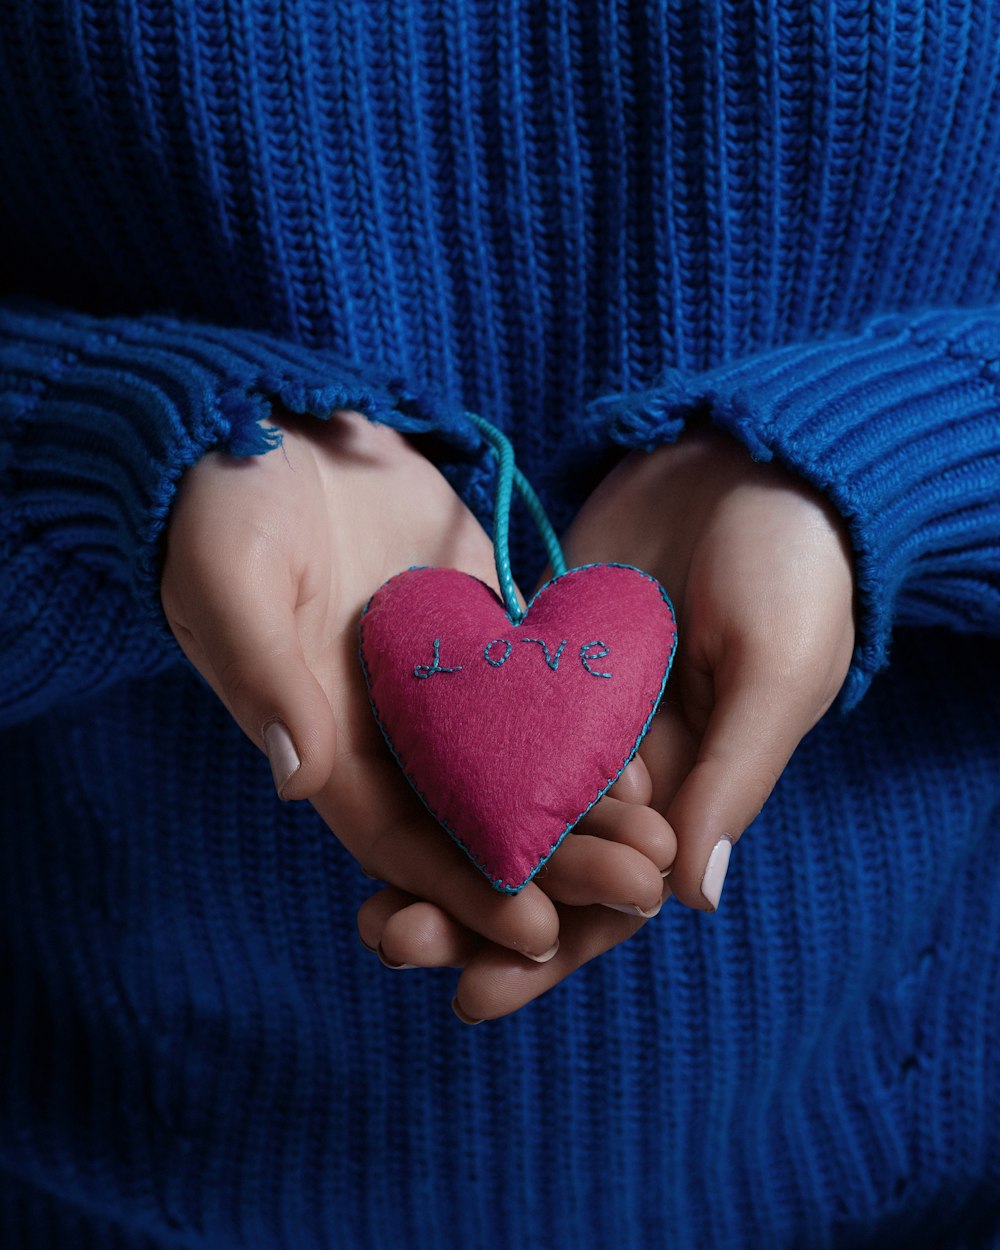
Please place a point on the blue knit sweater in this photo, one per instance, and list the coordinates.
(586, 221)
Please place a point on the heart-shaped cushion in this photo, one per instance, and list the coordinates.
(511, 733)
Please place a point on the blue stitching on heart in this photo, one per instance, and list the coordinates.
(548, 658)
(596, 656)
(437, 667)
(486, 653)
(497, 882)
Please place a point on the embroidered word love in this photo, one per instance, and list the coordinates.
(510, 745)
(423, 671)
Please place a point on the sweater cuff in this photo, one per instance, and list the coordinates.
(899, 424)
(99, 418)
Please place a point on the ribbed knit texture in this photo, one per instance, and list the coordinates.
(589, 222)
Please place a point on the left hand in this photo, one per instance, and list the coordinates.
(759, 566)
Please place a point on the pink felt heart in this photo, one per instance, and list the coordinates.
(510, 733)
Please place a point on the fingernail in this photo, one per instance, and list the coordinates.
(715, 872)
(282, 754)
(667, 871)
(461, 1014)
(373, 949)
(388, 962)
(543, 959)
(631, 910)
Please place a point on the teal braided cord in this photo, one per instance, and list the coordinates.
(534, 506)
(508, 475)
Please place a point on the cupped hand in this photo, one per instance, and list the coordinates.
(759, 567)
(269, 562)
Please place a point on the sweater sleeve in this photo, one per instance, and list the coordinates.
(99, 417)
(898, 422)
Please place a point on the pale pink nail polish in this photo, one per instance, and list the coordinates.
(281, 753)
(388, 962)
(461, 1014)
(543, 959)
(630, 909)
(715, 871)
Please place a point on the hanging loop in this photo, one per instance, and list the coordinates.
(509, 476)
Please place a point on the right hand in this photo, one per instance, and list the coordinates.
(270, 560)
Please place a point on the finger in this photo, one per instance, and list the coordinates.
(669, 751)
(245, 629)
(751, 734)
(628, 824)
(375, 911)
(424, 936)
(494, 984)
(372, 809)
(634, 784)
(586, 870)
(695, 690)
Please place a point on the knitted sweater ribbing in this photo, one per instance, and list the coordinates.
(585, 222)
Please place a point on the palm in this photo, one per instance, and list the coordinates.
(366, 505)
(269, 563)
(758, 566)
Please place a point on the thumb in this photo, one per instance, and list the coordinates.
(251, 655)
(751, 733)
